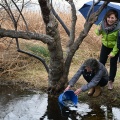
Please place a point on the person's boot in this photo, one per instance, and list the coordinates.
(97, 91)
(110, 85)
(91, 91)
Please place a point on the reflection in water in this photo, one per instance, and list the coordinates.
(116, 113)
(112, 112)
(107, 111)
(16, 104)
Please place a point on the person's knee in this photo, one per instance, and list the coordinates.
(103, 83)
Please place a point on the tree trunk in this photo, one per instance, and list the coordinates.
(56, 67)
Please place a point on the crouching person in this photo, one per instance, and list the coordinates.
(94, 73)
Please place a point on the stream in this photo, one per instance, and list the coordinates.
(17, 104)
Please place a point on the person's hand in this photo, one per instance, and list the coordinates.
(77, 91)
(110, 56)
(67, 88)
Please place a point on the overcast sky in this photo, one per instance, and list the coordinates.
(60, 5)
(64, 3)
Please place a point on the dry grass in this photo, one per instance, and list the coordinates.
(34, 25)
(20, 68)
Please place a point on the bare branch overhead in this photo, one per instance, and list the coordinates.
(73, 22)
(26, 35)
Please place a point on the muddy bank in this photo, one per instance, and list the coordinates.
(21, 85)
(107, 97)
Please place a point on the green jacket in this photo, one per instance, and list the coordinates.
(110, 39)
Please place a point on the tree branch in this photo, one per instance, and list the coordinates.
(73, 23)
(11, 14)
(61, 22)
(91, 9)
(20, 11)
(26, 35)
(39, 58)
(93, 17)
(88, 24)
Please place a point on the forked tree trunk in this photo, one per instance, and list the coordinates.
(56, 66)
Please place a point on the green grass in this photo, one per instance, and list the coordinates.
(39, 50)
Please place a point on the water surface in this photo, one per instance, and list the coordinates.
(17, 104)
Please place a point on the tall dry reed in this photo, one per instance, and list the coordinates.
(19, 67)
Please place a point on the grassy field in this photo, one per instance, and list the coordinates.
(18, 68)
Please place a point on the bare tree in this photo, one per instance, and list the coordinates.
(58, 68)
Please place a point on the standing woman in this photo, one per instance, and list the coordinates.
(109, 29)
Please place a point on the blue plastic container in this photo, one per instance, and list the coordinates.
(68, 96)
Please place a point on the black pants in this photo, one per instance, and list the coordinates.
(101, 83)
(119, 58)
(113, 61)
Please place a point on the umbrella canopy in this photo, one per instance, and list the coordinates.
(86, 7)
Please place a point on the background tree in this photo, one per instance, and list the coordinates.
(59, 65)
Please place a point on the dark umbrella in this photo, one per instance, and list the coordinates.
(84, 10)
